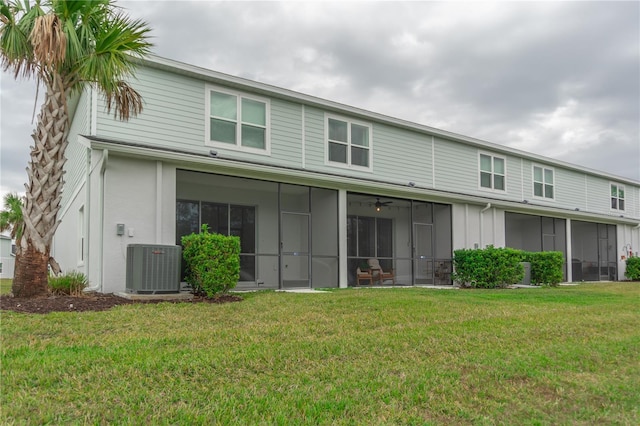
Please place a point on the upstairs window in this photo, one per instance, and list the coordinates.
(617, 197)
(492, 172)
(237, 121)
(348, 143)
(543, 182)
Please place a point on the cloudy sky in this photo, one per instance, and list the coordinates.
(560, 79)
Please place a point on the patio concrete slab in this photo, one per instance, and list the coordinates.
(169, 296)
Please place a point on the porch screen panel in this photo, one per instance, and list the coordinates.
(384, 243)
(242, 224)
(324, 238)
(187, 222)
(187, 218)
(294, 198)
(366, 237)
(216, 216)
(443, 231)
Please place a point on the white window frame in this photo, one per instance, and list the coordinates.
(544, 189)
(493, 173)
(348, 164)
(618, 187)
(238, 145)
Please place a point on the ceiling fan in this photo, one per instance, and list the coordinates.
(379, 204)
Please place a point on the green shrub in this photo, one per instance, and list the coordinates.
(487, 268)
(633, 268)
(213, 261)
(546, 267)
(71, 283)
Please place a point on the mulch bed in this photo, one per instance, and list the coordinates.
(90, 302)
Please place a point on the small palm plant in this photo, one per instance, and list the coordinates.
(65, 45)
(11, 216)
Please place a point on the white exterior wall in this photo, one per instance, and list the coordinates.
(7, 260)
(476, 226)
(141, 195)
(67, 244)
(628, 240)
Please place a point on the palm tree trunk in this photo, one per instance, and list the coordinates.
(43, 193)
(30, 275)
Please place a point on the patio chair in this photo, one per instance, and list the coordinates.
(379, 273)
(363, 275)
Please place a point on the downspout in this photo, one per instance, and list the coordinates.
(103, 167)
(487, 207)
(87, 205)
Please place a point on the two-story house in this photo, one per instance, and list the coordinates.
(314, 187)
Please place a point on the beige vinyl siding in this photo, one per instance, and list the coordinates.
(401, 156)
(568, 189)
(286, 133)
(173, 114)
(456, 167)
(598, 195)
(174, 117)
(314, 138)
(514, 179)
(76, 154)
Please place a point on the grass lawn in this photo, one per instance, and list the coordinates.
(5, 285)
(568, 355)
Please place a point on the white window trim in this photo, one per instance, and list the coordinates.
(347, 165)
(239, 96)
(618, 185)
(533, 182)
(492, 189)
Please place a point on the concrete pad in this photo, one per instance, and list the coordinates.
(438, 287)
(302, 290)
(169, 296)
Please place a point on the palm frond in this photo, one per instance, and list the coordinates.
(49, 41)
(15, 47)
(125, 100)
(11, 216)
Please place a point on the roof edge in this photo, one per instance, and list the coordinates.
(167, 64)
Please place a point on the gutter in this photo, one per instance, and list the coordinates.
(202, 161)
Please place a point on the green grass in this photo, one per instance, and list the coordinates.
(567, 355)
(5, 285)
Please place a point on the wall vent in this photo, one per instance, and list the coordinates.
(153, 269)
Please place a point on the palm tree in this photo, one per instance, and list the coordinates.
(65, 45)
(11, 216)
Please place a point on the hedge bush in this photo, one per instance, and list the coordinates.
(487, 268)
(213, 261)
(633, 268)
(546, 267)
(499, 267)
(72, 283)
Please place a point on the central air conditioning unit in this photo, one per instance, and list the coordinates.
(153, 269)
